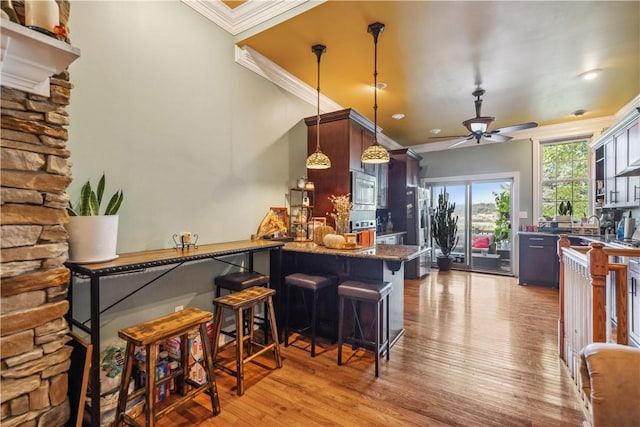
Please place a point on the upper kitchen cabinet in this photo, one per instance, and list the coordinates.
(344, 134)
(621, 147)
(383, 185)
(404, 168)
(404, 171)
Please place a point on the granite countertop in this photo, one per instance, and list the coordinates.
(381, 252)
(607, 239)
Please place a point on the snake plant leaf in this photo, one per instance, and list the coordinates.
(114, 203)
(90, 201)
(100, 190)
(84, 205)
(94, 204)
(71, 211)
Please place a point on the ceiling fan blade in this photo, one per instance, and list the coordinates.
(455, 144)
(448, 137)
(496, 137)
(513, 128)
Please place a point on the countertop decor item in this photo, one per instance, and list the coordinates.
(320, 232)
(375, 153)
(342, 205)
(93, 237)
(318, 160)
(444, 230)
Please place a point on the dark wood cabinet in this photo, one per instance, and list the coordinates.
(344, 135)
(382, 173)
(539, 263)
(403, 171)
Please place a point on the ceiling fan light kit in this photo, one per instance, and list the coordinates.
(479, 125)
(375, 153)
(318, 160)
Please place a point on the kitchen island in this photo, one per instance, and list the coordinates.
(376, 262)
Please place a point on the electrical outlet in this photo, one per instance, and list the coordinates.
(179, 307)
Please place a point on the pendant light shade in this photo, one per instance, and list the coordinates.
(375, 153)
(318, 160)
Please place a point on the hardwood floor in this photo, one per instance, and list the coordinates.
(479, 350)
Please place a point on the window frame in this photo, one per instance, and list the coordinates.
(537, 172)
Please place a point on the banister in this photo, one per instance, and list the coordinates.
(596, 257)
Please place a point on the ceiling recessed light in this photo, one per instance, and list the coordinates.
(590, 75)
(398, 116)
(380, 85)
(435, 131)
(579, 113)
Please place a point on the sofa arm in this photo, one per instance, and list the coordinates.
(611, 380)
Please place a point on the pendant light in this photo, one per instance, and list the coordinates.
(375, 153)
(318, 160)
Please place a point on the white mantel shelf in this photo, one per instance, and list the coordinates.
(29, 58)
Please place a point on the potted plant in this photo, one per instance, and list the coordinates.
(93, 237)
(565, 211)
(444, 230)
(502, 230)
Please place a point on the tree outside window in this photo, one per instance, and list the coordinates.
(565, 177)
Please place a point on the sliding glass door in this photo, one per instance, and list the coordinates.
(490, 226)
(484, 210)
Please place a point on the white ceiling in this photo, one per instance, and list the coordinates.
(527, 56)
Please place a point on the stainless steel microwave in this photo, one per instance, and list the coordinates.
(363, 191)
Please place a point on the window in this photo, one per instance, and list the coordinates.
(565, 177)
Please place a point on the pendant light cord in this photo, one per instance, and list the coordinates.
(318, 50)
(375, 29)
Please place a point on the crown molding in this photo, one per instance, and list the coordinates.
(266, 68)
(263, 66)
(246, 16)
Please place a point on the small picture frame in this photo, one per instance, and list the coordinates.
(320, 219)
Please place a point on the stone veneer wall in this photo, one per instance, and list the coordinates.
(35, 173)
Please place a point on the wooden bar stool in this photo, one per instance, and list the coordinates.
(239, 302)
(239, 281)
(152, 333)
(357, 292)
(307, 283)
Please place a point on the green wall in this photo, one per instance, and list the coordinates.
(484, 158)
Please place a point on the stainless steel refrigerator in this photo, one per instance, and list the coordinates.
(418, 231)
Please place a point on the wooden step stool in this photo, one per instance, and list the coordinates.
(247, 299)
(152, 333)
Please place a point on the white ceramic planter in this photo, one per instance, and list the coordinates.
(92, 238)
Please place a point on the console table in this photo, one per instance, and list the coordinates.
(136, 261)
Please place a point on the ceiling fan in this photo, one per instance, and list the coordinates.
(478, 126)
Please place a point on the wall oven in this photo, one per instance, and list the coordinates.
(363, 191)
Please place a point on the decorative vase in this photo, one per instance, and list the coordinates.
(342, 226)
(445, 263)
(92, 239)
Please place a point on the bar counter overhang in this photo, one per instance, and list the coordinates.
(375, 262)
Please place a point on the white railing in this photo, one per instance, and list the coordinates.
(584, 310)
(577, 304)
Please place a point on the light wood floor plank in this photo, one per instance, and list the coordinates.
(479, 350)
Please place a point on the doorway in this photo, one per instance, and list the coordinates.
(485, 207)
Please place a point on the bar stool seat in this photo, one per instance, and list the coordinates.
(239, 281)
(307, 283)
(367, 291)
(239, 302)
(151, 334)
